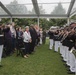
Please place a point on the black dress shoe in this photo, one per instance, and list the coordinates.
(50, 49)
(68, 70)
(63, 61)
(66, 65)
(55, 51)
(71, 72)
(61, 57)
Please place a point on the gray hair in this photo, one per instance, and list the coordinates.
(26, 27)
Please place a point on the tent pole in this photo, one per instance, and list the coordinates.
(38, 21)
(11, 19)
(68, 21)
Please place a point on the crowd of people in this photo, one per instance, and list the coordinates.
(14, 38)
(65, 39)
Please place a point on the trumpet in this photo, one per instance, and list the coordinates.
(64, 37)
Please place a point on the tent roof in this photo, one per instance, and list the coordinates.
(37, 8)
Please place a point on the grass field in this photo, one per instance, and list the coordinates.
(42, 62)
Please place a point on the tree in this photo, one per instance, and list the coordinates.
(74, 17)
(42, 11)
(16, 8)
(5, 20)
(59, 10)
(44, 23)
(32, 12)
(25, 22)
(57, 22)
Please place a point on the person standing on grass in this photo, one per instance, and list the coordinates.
(41, 35)
(51, 37)
(19, 39)
(27, 40)
(56, 39)
(13, 35)
(1, 44)
(33, 34)
(38, 34)
(44, 37)
(8, 40)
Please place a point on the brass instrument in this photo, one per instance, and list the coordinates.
(64, 37)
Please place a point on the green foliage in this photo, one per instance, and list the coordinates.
(25, 22)
(57, 22)
(73, 17)
(5, 20)
(44, 23)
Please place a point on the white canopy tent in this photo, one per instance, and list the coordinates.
(36, 8)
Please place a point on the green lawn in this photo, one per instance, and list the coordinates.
(42, 62)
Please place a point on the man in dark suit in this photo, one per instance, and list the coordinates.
(44, 37)
(33, 34)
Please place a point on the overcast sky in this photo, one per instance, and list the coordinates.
(48, 8)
